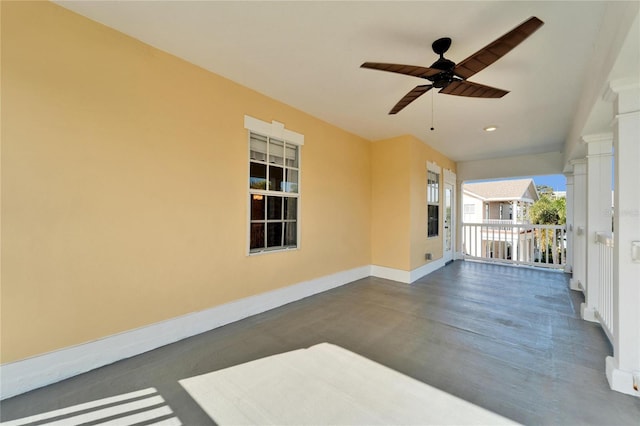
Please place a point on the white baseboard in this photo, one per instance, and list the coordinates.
(426, 269)
(587, 313)
(406, 276)
(41, 370)
(391, 274)
(620, 380)
(575, 285)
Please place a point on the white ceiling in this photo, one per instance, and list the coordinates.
(307, 54)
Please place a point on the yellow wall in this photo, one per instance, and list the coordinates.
(124, 186)
(390, 215)
(399, 202)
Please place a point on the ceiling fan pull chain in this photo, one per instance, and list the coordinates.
(432, 95)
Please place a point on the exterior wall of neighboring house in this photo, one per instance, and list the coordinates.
(472, 208)
(499, 203)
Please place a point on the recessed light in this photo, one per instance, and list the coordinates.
(491, 128)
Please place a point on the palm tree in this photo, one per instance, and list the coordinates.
(549, 210)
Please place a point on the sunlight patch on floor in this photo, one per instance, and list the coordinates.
(143, 406)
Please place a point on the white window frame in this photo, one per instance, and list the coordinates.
(469, 212)
(273, 130)
(433, 168)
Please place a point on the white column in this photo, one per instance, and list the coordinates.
(623, 369)
(598, 214)
(569, 211)
(514, 212)
(579, 278)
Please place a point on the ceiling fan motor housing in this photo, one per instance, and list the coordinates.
(445, 77)
(441, 80)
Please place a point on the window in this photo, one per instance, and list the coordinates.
(274, 182)
(433, 200)
(469, 212)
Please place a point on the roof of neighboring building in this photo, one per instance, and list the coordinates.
(516, 189)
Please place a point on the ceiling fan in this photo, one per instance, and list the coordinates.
(451, 78)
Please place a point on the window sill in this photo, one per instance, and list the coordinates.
(272, 250)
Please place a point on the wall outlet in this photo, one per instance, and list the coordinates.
(427, 256)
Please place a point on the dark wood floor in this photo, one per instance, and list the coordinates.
(507, 339)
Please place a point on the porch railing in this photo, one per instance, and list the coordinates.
(504, 221)
(604, 312)
(520, 244)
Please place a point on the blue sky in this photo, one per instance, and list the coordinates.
(557, 182)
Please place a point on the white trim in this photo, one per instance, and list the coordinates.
(628, 114)
(426, 269)
(391, 274)
(403, 276)
(620, 380)
(41, 370)
(620, 85)
(598, 137)
(449, 177)
(587, 313)
(274, 129)
(433, 167)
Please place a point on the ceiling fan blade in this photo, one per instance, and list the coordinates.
(422, 72)
(472, 90)
(496, 50)
(410, 97)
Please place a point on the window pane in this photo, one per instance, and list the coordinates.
(258, 176)
(433, 186)
(258, 147)
(436, 188)
(274, 234)
(276, 152)
(291, 152)
(291, 185)
(290, 234)
(432, 221)
(290, 208)
(257, 235)
(276, 177)
(274, 208)
(257, 207)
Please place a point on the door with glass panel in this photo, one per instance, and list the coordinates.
(448, 223)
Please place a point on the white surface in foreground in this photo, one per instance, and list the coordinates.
(327, 384)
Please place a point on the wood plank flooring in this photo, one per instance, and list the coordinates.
(507, 339)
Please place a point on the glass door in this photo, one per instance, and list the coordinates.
(448, 223)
